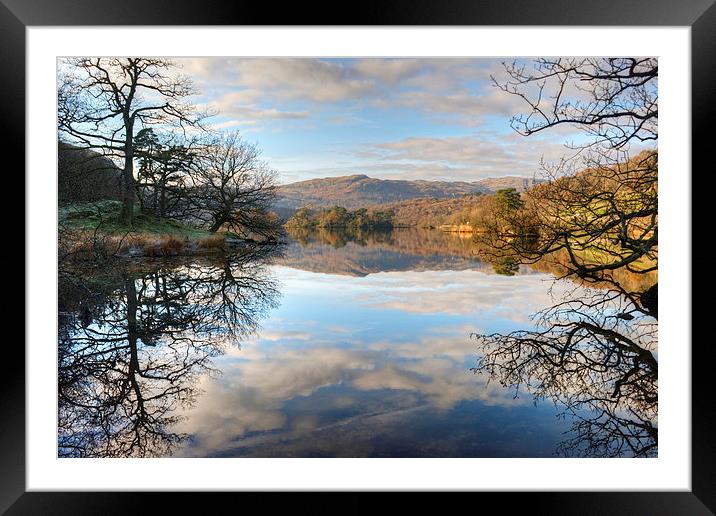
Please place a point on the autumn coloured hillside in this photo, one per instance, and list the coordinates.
(361, 191)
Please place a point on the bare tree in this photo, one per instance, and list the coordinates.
(231, 187)
(613, 99)
(598, 212)
(597, 225)
(103, 102)
(595, 220)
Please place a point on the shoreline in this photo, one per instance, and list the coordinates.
(79, 245)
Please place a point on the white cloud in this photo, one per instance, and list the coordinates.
(308, 79)
(465, 158)
(435, 85)
(273, 113)
(390, 71)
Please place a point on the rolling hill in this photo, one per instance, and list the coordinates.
(360, 190)
(84, 175)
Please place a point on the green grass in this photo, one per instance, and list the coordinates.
(104, 216)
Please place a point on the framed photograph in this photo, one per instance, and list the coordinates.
(414, 249)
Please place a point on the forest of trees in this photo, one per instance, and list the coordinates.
(475, 210)
(339, 217)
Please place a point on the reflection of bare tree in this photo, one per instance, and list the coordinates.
(595, 359)
(131, 355)
(594, 221)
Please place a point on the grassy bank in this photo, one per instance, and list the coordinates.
(94, 230)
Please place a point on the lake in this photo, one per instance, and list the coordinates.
(332, 345)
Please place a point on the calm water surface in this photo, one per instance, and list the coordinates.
(327, 348)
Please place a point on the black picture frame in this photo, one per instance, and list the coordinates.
(700, 15)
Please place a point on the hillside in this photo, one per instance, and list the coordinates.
(429, 212)
(360, 190)
(84, 175)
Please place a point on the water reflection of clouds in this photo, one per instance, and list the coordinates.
(251, 393)
(404, 335)
(442, 292)
(433, 292)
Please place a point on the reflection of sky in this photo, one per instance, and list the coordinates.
(375, 365)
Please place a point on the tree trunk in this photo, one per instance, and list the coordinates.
(128, 188)
(219, 220)
(162, 199)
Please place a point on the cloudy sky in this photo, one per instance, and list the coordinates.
(387, 118)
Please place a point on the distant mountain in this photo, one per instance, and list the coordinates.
(360, 190)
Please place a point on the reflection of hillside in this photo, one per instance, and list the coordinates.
(363, 253)
(359, 253)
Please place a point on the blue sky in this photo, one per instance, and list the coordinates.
(402, 118)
